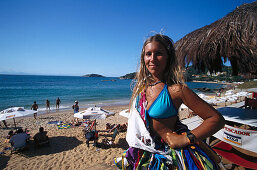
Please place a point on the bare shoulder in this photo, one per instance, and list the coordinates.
(177, 89)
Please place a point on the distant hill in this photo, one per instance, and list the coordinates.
(129, 76)
(92, 75)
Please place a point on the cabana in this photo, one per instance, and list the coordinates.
(233, 38)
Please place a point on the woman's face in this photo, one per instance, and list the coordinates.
(155, 58)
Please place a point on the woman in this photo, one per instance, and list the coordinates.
(157, 96)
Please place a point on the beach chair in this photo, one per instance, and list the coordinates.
(90, 127)
(87, 123)
(235, 156)
(108, 141)
(91, 134)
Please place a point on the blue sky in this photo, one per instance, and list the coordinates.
(77, 37)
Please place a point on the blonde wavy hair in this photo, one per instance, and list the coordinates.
(173, 72)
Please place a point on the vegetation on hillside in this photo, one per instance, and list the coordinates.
(192, 74)
(129, 76)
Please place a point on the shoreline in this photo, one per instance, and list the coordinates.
(213, 82)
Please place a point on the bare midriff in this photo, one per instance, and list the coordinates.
(160, 127)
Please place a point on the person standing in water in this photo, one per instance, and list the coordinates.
(47, 105)
(75, 107)
(58, 101)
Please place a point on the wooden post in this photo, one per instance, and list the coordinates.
(14, 123)
(95, 124)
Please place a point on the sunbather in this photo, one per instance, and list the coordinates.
(120, 127)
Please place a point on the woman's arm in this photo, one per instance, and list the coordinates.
(213, 120)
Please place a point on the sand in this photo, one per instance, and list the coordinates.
(68, 149)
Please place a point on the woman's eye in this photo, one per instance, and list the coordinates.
(158, 53)
(148, 54)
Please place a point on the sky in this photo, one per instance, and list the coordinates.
(78, 37)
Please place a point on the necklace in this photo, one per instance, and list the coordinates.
(155, 83)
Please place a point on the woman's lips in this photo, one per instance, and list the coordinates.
(153, 66)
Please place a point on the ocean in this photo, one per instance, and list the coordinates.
(23, 90)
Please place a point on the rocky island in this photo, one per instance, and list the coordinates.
(129, 76)
(92, 75)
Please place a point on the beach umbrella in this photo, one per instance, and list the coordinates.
(125, 113)
(13, 112)
(93, 113)
(233, 38)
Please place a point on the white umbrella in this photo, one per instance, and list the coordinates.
(93, 113)
(125, 113)
(14, 112)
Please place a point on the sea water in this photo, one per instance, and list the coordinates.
(23, 90)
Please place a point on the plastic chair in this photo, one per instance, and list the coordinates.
(111, 141)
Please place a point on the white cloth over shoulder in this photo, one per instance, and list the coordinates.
(137, 134)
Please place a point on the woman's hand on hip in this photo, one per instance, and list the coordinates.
(175, 140)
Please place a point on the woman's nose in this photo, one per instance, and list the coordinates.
(153, 57)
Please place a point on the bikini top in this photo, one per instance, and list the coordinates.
(163, 106)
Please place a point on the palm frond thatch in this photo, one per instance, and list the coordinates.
(233, 37)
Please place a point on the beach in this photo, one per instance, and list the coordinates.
(68, 149)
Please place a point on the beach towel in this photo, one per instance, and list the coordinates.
(150, 152)
(63, 126)
(55, 122)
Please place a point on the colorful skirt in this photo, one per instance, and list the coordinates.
(191, 157)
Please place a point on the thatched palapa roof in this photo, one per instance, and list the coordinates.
(234, 37)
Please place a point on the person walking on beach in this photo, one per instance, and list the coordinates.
(154, 129)
(47, 105)
(34, 107)
(58, 101)
(75, 107)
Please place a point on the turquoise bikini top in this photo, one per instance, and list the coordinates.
(163, 106)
